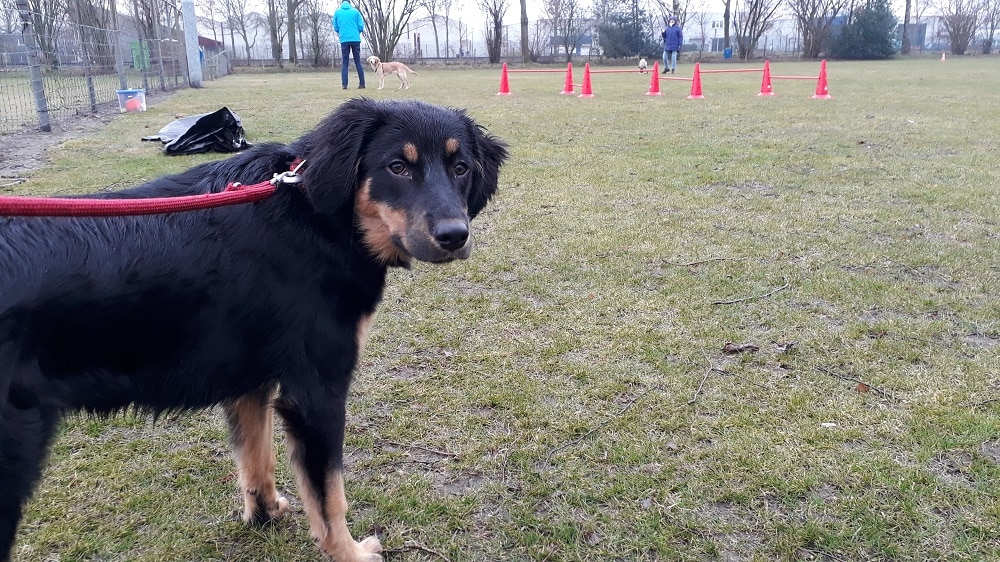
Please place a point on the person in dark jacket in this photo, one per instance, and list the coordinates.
(673, 38)
(348, 24)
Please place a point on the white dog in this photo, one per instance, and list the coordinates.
(642, 66)
(397, 68)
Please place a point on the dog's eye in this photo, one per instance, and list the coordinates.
(461, 169)
(399, 168)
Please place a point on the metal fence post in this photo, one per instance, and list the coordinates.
(34, 66)
(191, 43)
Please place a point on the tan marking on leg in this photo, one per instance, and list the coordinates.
(410, 152)
(328, 520)
(251, 427)
(379, 223)
(451, 146)
(363, 328)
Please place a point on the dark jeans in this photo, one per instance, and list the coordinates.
(346, 50)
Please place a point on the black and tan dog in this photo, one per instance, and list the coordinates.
(254, 306)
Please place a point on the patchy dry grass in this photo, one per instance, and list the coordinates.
(564, 394)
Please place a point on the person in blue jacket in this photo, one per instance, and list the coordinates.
(349, 24)
(673, 38)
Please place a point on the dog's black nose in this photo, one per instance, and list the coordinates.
(452, 234)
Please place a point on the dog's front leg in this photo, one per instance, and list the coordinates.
(315, 427)
(251, 435)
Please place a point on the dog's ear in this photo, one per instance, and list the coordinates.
(333, 154)
(490, 153)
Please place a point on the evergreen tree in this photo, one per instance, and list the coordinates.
(870, 33)
(622, 32)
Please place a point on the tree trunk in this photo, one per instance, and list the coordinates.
(905, 48)
(726, 18)
(525, 50)
(293, 56)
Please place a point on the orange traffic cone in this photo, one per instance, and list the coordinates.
(504, 84)
(654, 81)
(822, 88)
(765, 83)
(568, 86)
(696, 83)
(942, 56)
(586, 92)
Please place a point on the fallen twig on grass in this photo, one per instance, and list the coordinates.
(862, 384)
(701, 385)
(713, 369)
(419, 448)
(602, 425)
(17, 181)
(700, 262)
(753, 297)
(410, 546)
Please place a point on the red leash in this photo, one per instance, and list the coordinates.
(233, 194)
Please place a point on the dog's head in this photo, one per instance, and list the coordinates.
(413, 174)
(373, 61)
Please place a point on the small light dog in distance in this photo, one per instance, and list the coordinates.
(643, 66)
(399, 69)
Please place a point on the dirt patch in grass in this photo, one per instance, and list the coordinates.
(24, 152)
(953, 467)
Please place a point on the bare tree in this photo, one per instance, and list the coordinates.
(702, 21)
(525, 48)
(93, 19)
(319, 34)
(539, 39)
(960, 19)
(277, 18)
(385, 22)
(432, 8)
(494, 11)
(243, 22)
(727, 23)
(10, 20)
(675, 8)
(753, 19)
(445, 7)
(815, 21)
(568, 23)
(292, 10)
(991, 22)
(48, 17)
(905, 39)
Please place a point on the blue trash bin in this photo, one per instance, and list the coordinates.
(727, 53)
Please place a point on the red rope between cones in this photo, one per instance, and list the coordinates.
(234, 193)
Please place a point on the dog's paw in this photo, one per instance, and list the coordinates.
(259, 512)
(368, 550)
(278, 509)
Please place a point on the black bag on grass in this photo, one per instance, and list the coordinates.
(219, 131)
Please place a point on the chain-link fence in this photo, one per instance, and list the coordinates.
(54, 65)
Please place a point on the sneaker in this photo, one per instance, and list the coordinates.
(361, 87)
(345, 87)
(665, 71)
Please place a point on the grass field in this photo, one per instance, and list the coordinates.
(733, 329)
